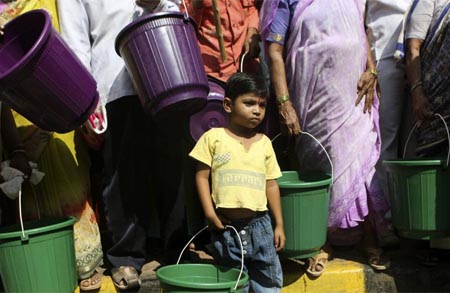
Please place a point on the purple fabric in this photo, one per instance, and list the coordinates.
(326, 55)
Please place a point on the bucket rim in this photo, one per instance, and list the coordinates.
(146, 18)
(415, 162)
(38, 44)
(160, 273)
(62, 223)
(303, 184)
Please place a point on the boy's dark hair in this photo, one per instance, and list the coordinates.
(244, 83)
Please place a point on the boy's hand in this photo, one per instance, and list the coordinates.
(215, 223)
(19, 161)
(279, 238)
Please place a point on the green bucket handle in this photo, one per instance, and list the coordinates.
(417, 124)
(323, 148)
(240, 244)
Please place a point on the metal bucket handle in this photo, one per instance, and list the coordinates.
(323, 148)
(240, 244)
(25, 236)
(417, 125)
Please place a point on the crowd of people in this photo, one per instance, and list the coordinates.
(354, 74)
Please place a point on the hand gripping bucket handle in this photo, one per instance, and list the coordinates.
(417, 125)
(240, 244)
(323, 148)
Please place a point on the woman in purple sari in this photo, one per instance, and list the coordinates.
(325, 80)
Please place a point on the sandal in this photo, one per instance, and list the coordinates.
(427, 258)
(317, 264)
(376, 259)
(125, 278)
(94, 282)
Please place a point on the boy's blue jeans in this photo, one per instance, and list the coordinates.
(261, 261)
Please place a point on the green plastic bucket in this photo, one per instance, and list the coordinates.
(40, 260)
(304, 200)
(419, 191)
(200, 278)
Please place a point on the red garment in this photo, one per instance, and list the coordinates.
(236, 16)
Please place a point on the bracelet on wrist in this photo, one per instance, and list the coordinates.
(18, 151)
(416, 85)
(373, 71)
(282, 99)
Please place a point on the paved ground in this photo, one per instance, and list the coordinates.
(346, 273)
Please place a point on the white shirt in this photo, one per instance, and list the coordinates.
(90, 28)
(423, 18)
(384, 20)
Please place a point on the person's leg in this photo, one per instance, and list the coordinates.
(171, 156)
(127, 191)
(374, 254)
(264, 266)
(392, 103)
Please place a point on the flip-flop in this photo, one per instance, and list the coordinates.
(125, 278)
(427, 258)
(94, 282)
(318, 261)
(375, 257)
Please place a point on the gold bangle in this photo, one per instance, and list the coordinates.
(282, 99)
(372, 71)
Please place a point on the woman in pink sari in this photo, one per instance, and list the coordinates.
(325, 80)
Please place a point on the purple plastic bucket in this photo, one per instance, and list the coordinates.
(163, 59)
(211, 116)
(41, 78)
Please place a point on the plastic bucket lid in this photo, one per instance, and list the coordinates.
(212, 115)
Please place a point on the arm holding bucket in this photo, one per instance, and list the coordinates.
(251, 45)
(13, 144)
(159, 5)
(204, 194)
(274, 203)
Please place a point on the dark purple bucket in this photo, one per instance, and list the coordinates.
(211, 116)
(163, 59)
(41, 78)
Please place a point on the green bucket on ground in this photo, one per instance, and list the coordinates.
(43, 260)
(419, 192)
(200, 278)
(304, 200)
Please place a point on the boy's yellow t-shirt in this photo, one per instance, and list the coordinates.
(238, 177)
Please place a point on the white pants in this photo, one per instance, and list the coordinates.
(393, 103)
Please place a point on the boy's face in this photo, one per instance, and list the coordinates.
(247, 110)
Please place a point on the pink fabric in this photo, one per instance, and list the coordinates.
(326, 55)
(2, 7)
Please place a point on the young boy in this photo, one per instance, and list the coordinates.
(243, 170)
